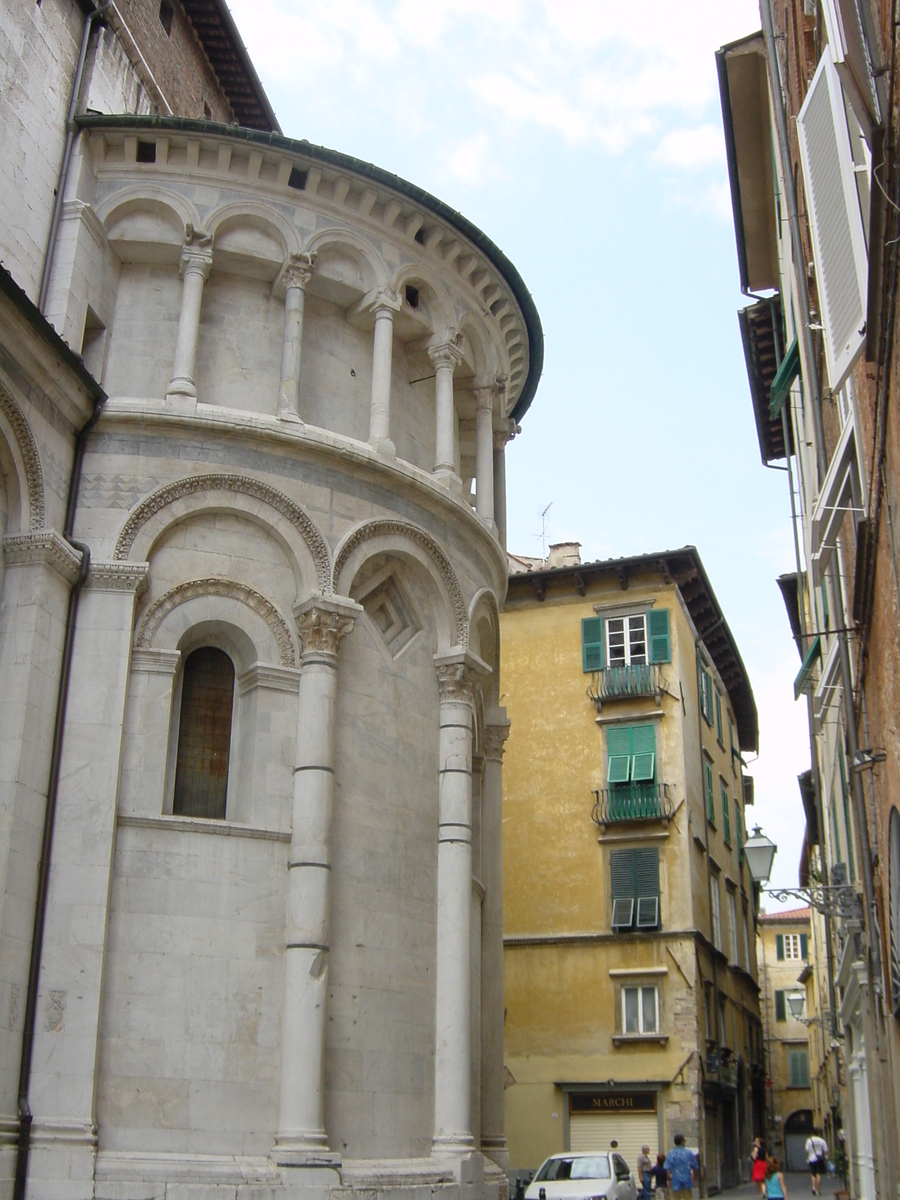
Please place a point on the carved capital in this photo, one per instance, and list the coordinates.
(296, 272)
(484, 399)
(386, 301)
(495, 740)
(447, 355)
(505, 432)
(118, 576)
(323, 622)
(460, 674)
(196, 252)
(42, 548)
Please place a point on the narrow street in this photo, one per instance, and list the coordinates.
(797, 1187)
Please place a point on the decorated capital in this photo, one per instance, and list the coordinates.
(323, 622)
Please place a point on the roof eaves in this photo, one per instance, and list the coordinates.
(44, 329)
(346, 162)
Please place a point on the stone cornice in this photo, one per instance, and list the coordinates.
(276, 679)
(117, 576)
(153, 661)
(43, 548)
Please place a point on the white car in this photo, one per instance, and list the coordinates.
(595, 1175)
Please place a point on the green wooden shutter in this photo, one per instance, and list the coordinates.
(658, 633)
(647, 888)
(804, 947)
(779, 946)
(643, 749)
(798, 1062)
(718, 716)
(726, 817)
(592, 657)
(740, 832)
(619, 751)
(780, 1009)
(622, 886)
(710, 803)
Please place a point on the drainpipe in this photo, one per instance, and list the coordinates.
(71, 132)
(40, 906)
(704, 1188)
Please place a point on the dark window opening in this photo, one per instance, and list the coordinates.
(146, 152)
(207, 111)
(166, 13)
(297, 179)
(204, 735)
(412, 296)
(420, 237)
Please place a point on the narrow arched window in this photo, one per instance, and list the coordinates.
(204, 735)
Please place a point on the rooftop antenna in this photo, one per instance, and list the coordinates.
(543, 534)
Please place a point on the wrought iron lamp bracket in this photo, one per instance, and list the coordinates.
(842, 901)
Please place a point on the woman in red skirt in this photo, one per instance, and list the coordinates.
(758, 1158)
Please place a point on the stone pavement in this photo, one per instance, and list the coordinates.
(798, 1187)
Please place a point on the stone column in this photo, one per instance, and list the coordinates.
(493, 1137)
(292, 279)
(323, 622)
(445, 358)
(458, 675)
(196, 263)
(484, 454)
(385, 305)
(502, 436)
(65, 1064)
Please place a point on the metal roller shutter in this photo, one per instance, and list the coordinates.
(594, 1131)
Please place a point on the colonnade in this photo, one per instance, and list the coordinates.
(323, 623)
(445, 355)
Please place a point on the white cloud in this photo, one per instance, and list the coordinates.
(687, 149)
(472, 161)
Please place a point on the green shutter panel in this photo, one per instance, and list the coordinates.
(592, 658)
(647, 888)
(779, 946)
(726, 817)
(710, 803)
(718, 716)
(804, 947)
(618, 753)
(643, 762)
(658, 632)
(740, 832)
(622, 883)
(780, 1010)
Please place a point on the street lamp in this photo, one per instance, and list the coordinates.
(796, 1001)
(759, 851)
(838, 900)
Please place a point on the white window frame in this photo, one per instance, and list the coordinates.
(792, 947)
(626, 622)
(641, 1031)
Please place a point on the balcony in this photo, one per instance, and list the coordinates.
(632, 802)
(627, 683)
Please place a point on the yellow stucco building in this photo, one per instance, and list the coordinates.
(632, 1003)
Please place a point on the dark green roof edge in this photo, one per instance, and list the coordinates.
(346, 162)
(44, 329)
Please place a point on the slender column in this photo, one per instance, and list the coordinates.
(493, 1137)
(385, 305)
(502, 436)
(292, 280)
(458, 673)
(484, 453)
(323, 622)
(444, 358)
(196, 262)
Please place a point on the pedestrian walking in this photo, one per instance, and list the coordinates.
(644, 1166)
(659, 1178)
(775, 1185)
(681, 1169)
(758, 1160)
(817, 1158)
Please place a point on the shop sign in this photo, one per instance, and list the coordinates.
(620, 1102)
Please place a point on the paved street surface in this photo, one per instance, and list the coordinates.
(798, 1187)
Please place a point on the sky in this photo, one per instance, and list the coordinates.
(585, 138)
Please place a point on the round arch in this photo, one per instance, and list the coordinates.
(26, 475)
(407, 541)
(484, 611)
(284, 519)
(194, 612)
(129, 208)
(435, 290)
(335, 237)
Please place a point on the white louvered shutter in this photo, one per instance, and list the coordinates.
(839, 244)
(847, 39)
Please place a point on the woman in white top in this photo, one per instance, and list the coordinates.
(817, 1158)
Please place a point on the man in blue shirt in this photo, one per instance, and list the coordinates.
(681, 1166)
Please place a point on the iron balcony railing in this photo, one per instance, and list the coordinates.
(624, 683)
(632, 802)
